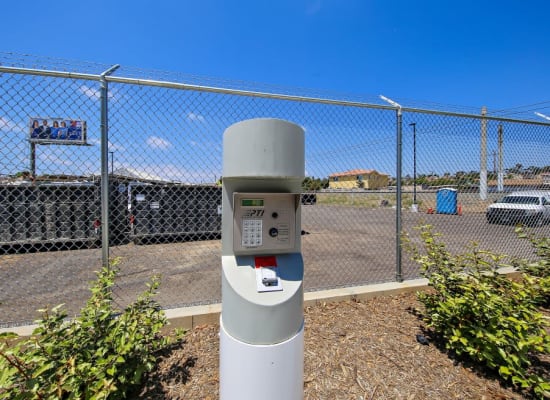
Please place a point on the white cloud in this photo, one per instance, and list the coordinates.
(195, 117)
(95, 93)
(55, 159)
(92, 93)
(7, 125)
(112, 146)
(115, 146)
(156, 142)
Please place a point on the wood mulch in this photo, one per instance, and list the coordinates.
(353, 350)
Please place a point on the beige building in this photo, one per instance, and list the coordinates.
(358, 179)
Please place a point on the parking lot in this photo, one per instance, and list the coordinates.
(341, 245)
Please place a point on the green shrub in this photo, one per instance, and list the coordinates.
(101, 354)
(539, 270)
(481, 314)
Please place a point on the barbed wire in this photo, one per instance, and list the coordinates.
(69, 65)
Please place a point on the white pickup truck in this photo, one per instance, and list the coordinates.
(528, 207)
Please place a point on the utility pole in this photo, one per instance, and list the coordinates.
(413, 124)
(494, 163)
(500, 177)
(483, 157)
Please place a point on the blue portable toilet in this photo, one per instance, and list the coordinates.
(446, 201)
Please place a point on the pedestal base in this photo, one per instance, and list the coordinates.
(267, 372)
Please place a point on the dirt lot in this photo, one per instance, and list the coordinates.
(353, 350)
(344, 246)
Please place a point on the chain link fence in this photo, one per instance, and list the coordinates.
(140, 181)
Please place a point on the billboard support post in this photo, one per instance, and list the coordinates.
(33, 160)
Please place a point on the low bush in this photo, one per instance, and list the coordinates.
(101, 354)
(538, 270)
(481, 314)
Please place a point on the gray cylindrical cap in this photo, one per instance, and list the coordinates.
(263, 147)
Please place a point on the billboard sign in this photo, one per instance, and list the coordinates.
(57, 131)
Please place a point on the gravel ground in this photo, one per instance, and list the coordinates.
(353, 350)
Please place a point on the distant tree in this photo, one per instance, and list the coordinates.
(460, 174)
(22, 174)
(533, 170)
(307, 183)
(472, 176)
(313, 184)
(421, 179)
(517, 169)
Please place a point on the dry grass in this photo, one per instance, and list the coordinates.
(353, 350)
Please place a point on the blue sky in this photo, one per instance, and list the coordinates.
(468, 53)
(456, 56)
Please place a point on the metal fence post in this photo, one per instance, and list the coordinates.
(500, 173)
(105, 166)
(398, 271)
(398, 173)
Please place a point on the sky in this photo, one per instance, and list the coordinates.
(469, 53)
(456, 56)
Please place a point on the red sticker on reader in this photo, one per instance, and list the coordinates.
(265, 261)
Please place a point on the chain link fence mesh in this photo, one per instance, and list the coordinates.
(164, 167)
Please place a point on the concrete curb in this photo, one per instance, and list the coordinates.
(190, 317)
